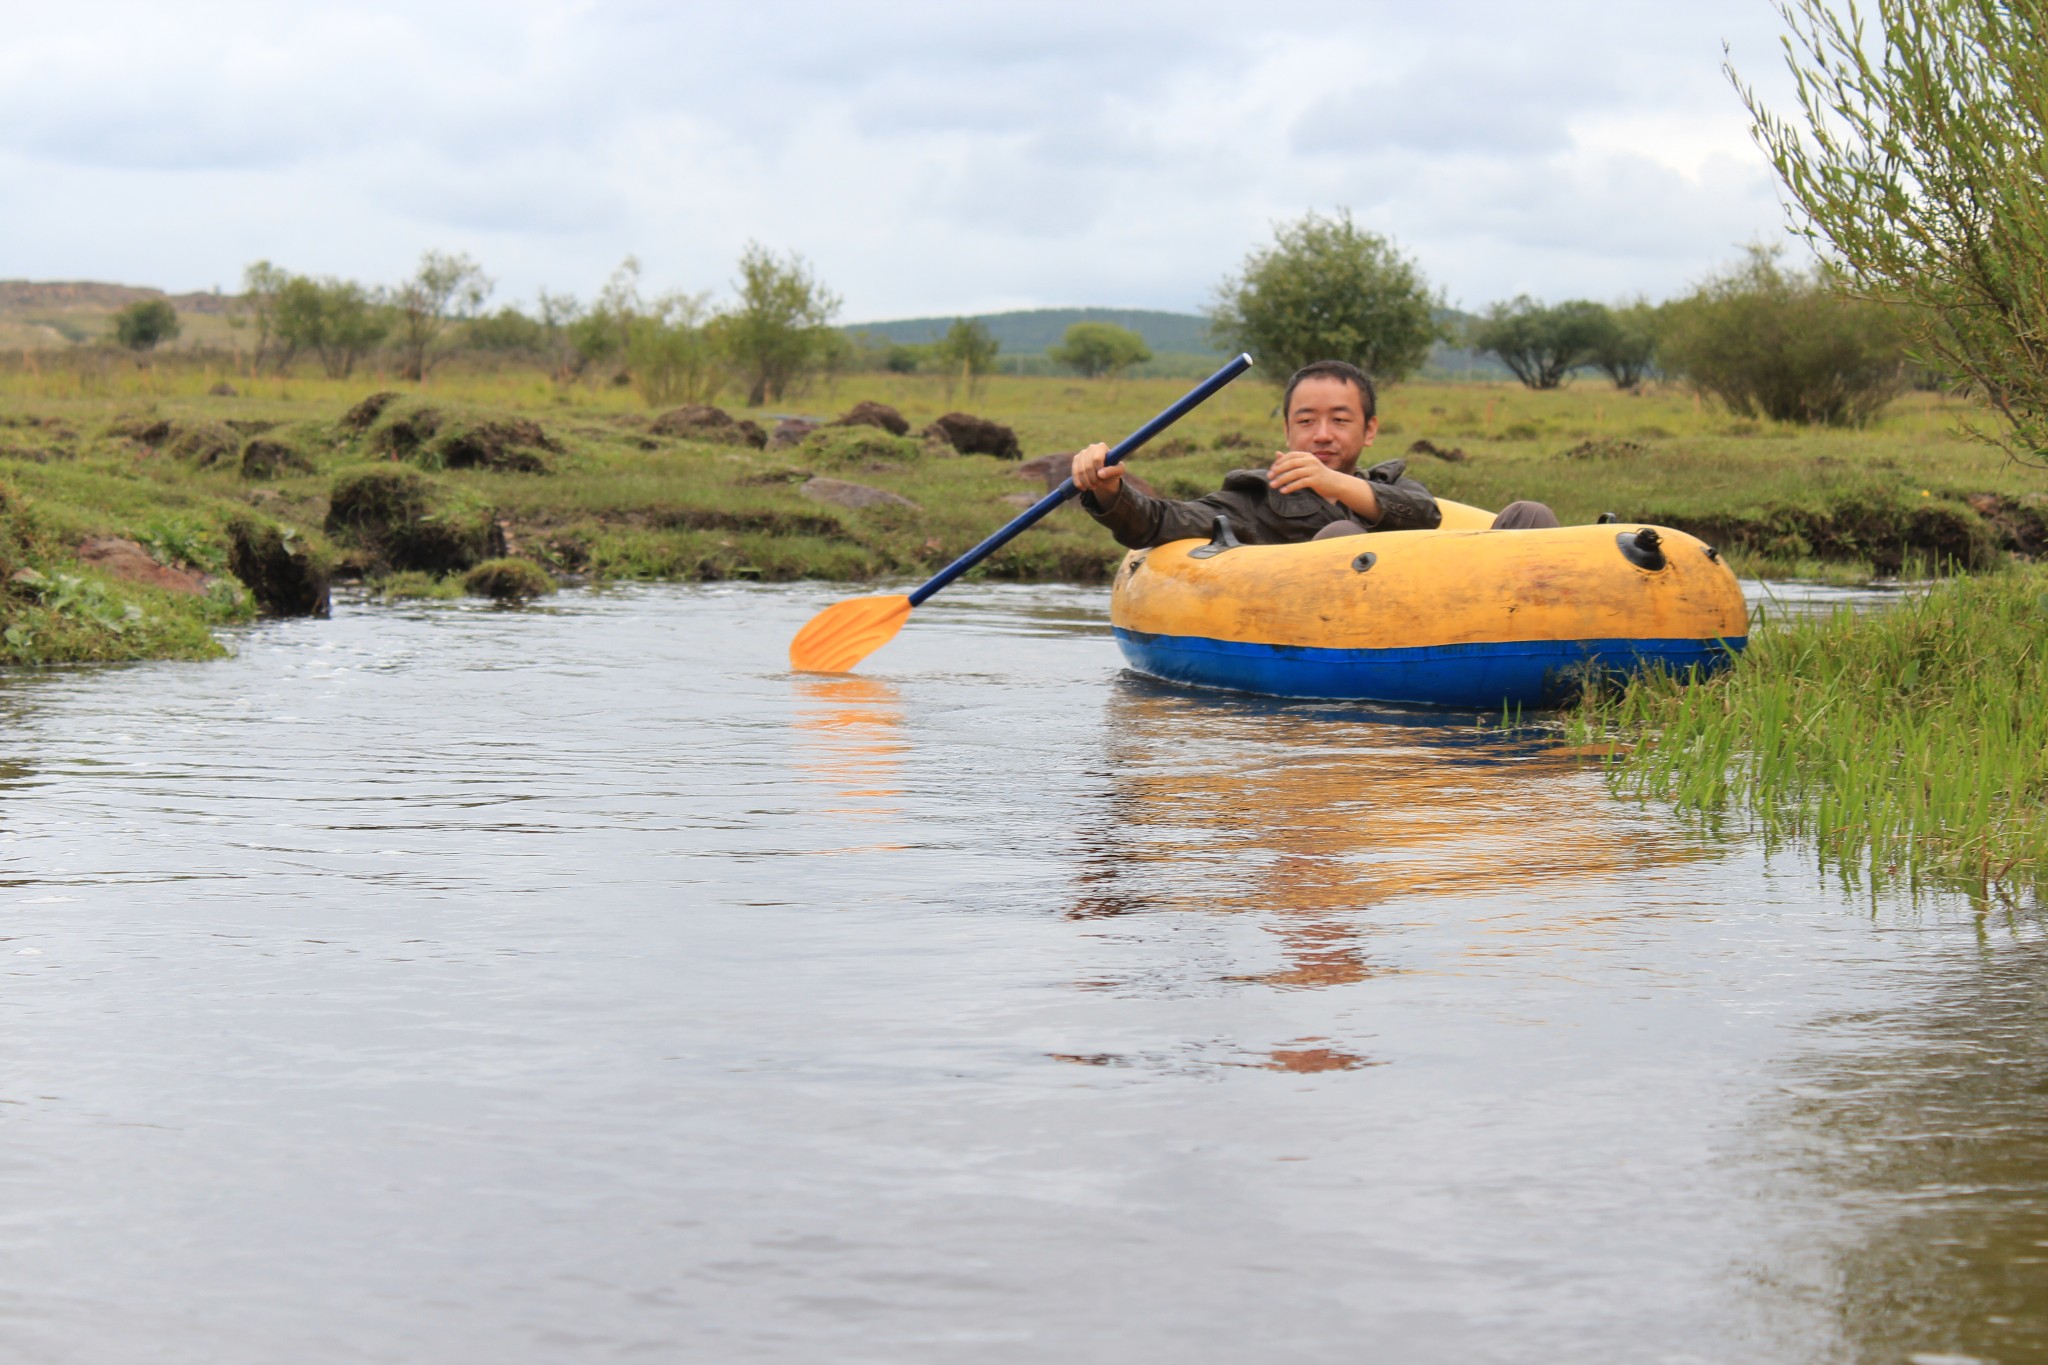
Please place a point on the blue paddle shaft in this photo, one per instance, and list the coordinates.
(1181, 407)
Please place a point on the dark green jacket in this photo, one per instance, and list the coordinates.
(1258, 515)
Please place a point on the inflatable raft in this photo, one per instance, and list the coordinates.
(1461, 616)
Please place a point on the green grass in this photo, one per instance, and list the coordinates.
(607, 497)
(1908, 744)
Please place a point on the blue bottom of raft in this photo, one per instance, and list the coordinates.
(1482, 677)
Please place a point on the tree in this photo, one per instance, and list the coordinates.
(261, 284)
(775, 335)
(443, 289)
(1541, 345)
(1919, 166)
(338, 320)
(1327, 290)
(1627, 345)
(140, 326)
(1099, 348)
(672, 353)
(1785, 344)
(968, 350)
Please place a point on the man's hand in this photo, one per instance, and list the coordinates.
(1294, 470)
(1091, 475)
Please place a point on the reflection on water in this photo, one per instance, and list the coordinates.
(1926, 1124)
(849, 739)
(438, 983)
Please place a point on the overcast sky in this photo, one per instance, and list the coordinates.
(926, 158)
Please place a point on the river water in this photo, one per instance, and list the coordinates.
(446, 984)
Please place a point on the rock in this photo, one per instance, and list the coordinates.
(702, 422)
(790, 431)
(971, 435)
(857, 496)
(127, 560)
(263, 459)
(508, 580)
(1018, 499)
(1455, 455)
(364, 415)
(224, 390)
(881, 415)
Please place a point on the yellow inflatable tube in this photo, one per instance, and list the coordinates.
(1460, 616)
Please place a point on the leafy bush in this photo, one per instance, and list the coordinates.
(1327, 290)
(1920, 166)
(141, 326)
(1785, 344)
(1627, 344)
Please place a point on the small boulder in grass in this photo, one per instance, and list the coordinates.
(790, 431)
(866, 414)
(971, 435)
(853, 496)
(508, 580)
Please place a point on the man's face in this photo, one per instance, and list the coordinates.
(1326, 417)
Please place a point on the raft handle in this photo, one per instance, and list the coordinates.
(1643, 548)
(1365, 561)
(1713, 554)
(1221, 538)
(1605, 519)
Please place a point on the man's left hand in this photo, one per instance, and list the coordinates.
(1295, 470)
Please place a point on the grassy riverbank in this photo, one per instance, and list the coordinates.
(1908, 744)
(277, 482)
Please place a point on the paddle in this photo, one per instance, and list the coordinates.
(846, 632)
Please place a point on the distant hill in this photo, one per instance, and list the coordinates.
(1032, 332)
(88, 296)
(1036, 330)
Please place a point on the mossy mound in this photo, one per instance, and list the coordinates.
(286, 576)
(364, 415)
(204, 443)
(1613, 448)
(437, 439)
(508, 580)
(405, 520)
(859, 447)
(265, 458)
(702, 422)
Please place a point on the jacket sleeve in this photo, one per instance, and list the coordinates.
(1139, 520)
(1405, 505)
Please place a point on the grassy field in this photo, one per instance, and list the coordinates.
(98, 445)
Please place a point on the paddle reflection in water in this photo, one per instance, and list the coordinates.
(1310, 817)
(848, 734)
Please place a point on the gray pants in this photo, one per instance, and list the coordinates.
(1516, 516)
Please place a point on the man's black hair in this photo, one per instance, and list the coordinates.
(1333, 369)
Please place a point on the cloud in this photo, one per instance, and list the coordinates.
(925, 157)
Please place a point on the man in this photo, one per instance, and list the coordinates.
(1310, 492)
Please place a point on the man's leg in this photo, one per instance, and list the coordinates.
(1343, 528)
(1525, 516)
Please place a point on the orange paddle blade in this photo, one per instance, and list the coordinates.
(844, 633)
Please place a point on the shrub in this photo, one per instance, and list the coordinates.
(508, 580)
(776, 335)
(140, 326)
(1920, 166)
(1785, 344)
(1326, 290)
(1627, 344)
